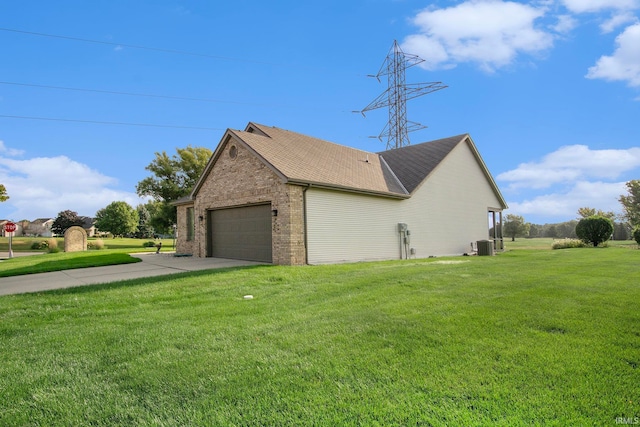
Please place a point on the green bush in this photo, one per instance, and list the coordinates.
(568, 244)
(594, 229)
(149, 244)
(636, 234)
(39, 245)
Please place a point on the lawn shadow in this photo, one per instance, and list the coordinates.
(128, 283)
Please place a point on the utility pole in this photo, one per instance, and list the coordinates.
(397, 94)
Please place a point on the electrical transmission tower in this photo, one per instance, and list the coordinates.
(397, 94)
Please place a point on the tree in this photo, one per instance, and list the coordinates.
(144, 230)
(621, 231)
(3, 193)
(551, 231)
(566, 229)
(631, 202)
(636, 235)
(594, 229)
(65, 220)
(515, 226)
(587, 212)
(162, 216)
(118, 218)
(173, 177)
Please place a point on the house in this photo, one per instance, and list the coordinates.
(273, 195)
(40, 227)
(18, 231)
(89, 225)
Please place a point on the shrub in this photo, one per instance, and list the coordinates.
(39, 245)
(568, 244)
(636, 234)
(148, 244)
(95, 244)
(594, 229)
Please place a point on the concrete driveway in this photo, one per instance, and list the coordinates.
(152, 265)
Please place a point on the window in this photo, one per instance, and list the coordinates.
(191, 225)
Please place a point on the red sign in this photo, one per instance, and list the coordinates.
(10, 227)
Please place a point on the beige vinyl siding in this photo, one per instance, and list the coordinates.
(444, 215)
(449, 210)
(349, 227)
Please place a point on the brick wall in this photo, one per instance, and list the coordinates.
(182, 245)
(246, 180)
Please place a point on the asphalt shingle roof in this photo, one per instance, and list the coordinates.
(305, 159)
(413, 163)
(302, 159)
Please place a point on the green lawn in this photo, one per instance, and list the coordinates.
(528, 337)
(116, 251)
(45, 262)
(23, 244)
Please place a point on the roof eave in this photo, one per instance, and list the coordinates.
(326, 186)
(183, 201)
(486, 172)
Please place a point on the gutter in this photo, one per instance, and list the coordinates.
(349, 189)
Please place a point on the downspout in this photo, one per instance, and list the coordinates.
(304, 220)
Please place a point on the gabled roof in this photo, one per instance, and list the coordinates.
(304, 160)
(87, 221)
(413, 163)
(42, 220)
(301, 159)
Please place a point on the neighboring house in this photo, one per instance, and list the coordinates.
(89, 225)
(18, 224)
(277, 196)
(40, 227)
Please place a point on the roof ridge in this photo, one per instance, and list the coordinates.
(261, 127)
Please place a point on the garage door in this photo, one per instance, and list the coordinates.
(241, 233)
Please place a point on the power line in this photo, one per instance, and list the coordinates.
(53, 119)
(133, 46)
(148, 95)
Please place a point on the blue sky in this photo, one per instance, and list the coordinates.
(549, 90)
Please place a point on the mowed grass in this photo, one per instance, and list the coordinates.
(528, 337)
(116, 252)
(23, 244)
(45, 262)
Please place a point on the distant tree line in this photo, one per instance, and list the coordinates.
(593, 222)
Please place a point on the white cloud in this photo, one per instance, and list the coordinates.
(617, 20)
(490, 33)
(571, 177)
(584, 6)
(44, 186)
(597, 195)
(565, 24)
(624, 64)
(13, 152)
(570, 164)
